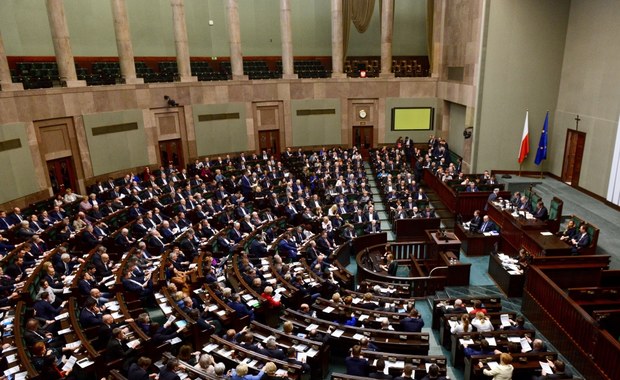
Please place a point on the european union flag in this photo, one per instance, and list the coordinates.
(541, 152)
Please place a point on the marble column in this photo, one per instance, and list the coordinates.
(387, 31)
(286, 33)
(337, 40)
(123, 42)
(6, 83)
(234, 39)
(180, 41)
(62, 44)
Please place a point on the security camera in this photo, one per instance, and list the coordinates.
(171, 102)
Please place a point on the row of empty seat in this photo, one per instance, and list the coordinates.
(46, 74)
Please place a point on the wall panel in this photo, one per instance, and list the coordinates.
(114, 151)
(17, 177)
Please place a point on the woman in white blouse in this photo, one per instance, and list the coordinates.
(463, 327)
(482, 323)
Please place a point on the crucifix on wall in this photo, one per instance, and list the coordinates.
(577, 120)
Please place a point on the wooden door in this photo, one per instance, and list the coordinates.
(573, 155)
(269, 141)
(362, 138)
(171, 152)
(62, 174)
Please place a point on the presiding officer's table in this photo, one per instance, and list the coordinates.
(475, 244)
(520, 231)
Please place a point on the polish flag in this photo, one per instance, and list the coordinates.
(525, 141)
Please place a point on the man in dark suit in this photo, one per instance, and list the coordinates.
(106, 331)
(373, 227)
(44, 309)
(380, 374)
(407, 373)
(137, 371)
(34, 334)
(169, 371)
(474, 223)
(560, 371)
(541, 212)
(116, 348)
(291, 357)
(123, 240)
(413, 323)
(286, 248)
(581, 240)
(271, 350)
(90, 315)
(258, 248)
(487, 225)
(5, 223)
(240, 308)
(356, 364)
(235, 233)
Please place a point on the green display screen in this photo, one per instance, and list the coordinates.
(412, 118)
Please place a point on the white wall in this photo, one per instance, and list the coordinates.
(589, 87)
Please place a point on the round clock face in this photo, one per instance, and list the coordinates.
(363, 114)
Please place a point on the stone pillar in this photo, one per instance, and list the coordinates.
(6, 83)
(62, 44)
(287, 40)
(234, 39)
(337, 41)
(123, 42)
(180, 41)
(387, 28)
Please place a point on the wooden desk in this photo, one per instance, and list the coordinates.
(449, 243)
(545, 245)
(522, 369)
(475, 244)
(511, 284)
(501, 338)
(513, 228)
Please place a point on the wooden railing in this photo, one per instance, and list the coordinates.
(575, 333)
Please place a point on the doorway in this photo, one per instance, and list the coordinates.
(62, 175)
(269, 141)
(573, 155)
(362, 138)
(171, 152)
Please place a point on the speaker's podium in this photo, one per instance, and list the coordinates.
(443, 256)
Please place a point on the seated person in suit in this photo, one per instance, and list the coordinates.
(472, 188)
(433, 373)
(291, 353)
(559, 371)
(487, 225)
(541, 212)
(90, 314)
(240, 308)
(581, 240)
(356, 364)
(138, 370)
(569, 233)
(373, 227)
(413, 323)
(391, 267)
(407, 373)
(525, 204)
(380, 374)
